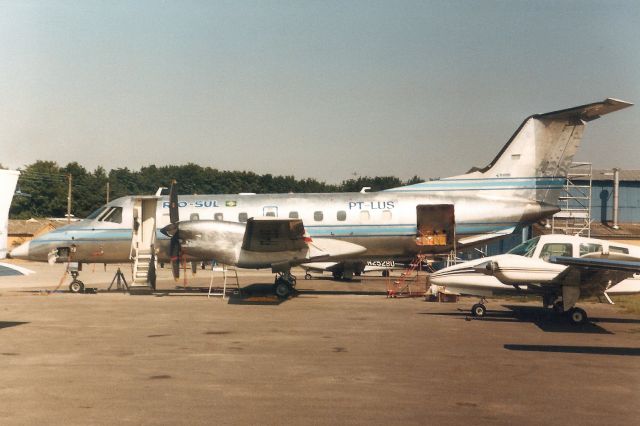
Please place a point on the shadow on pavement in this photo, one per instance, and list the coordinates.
(543, 318)
(7, 324)
(594, 350)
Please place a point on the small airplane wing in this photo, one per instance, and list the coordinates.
(595, 275)
(274, 235)
(597, 263)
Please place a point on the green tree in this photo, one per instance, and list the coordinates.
(44, 188)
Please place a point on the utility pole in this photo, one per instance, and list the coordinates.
(70, 179)
(107, 191)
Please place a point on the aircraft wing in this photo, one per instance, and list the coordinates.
(597, 263)
(475, 239)
(595, 275)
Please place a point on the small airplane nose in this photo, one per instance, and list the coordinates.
(21, 252)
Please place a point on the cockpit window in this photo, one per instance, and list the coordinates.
(113, 215)
(555, 249)
(525, 249)
(97, 212)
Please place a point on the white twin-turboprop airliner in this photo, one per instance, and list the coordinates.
(519, 187)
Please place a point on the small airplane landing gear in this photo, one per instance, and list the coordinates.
(479, 309)
(284, 285)
(558, 308)
(577, 316)
(76, 285)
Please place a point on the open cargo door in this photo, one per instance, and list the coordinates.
(436, 227)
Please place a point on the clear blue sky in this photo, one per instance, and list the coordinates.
(311, 88)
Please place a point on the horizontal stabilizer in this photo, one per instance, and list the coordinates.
(587, 112)
(474, 239)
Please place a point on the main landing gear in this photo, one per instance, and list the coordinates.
(76, 285)
(284, 285)
(575, 315)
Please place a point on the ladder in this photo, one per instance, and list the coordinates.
(223, 291)
(407, 285)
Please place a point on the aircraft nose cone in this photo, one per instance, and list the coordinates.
(21, 252)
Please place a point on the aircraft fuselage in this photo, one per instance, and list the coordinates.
(385, 222)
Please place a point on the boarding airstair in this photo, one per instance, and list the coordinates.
(143, 240)
(409, 283)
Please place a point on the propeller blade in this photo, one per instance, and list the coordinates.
(173, 230)
(174, 254)
(174, 216)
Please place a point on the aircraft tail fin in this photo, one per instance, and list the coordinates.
(544, 146)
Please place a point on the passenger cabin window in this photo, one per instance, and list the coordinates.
(364, 215)
(194, 216)
(614, 249)
(586, 248)
(242, 217)
(386, 215)
(341, 215)
(114, 214)
(555, 249)
(218, 216)
(293, 215)
(318, 216)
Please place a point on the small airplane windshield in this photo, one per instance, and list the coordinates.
(97, 212)
(525, 249)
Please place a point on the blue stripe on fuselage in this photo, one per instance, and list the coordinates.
(483, 184)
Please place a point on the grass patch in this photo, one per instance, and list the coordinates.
(630, 304)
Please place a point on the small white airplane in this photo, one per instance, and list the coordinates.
(559, 268)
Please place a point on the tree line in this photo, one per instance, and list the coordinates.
(43, 186)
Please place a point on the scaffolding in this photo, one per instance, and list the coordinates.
(574, 217)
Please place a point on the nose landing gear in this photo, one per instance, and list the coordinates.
(76, 285)
(479, 309)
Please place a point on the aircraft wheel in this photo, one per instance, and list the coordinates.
(337, 275)
(307, 276)
(385, 273)
(282, 289)
(478, 310)
(558, 308)
(578, 316)
(76, 286)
